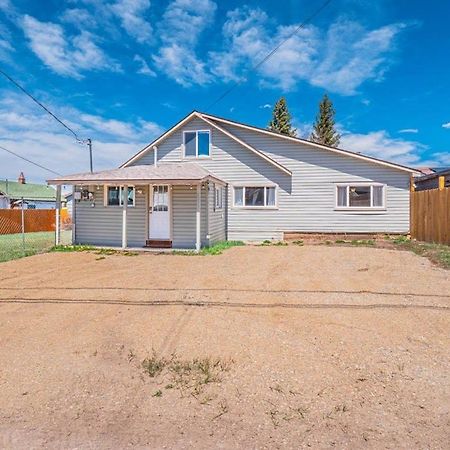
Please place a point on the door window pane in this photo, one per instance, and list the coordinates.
(203, 143)
(190, 144)
(254, 196)
(359, 196)
(239, 196)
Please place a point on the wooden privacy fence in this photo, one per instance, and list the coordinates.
(430, 215)
(34, 220)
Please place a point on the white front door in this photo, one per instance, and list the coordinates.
(159, 212)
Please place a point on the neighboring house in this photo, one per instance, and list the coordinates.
(207, 179)
(35, 196)
(431, 181)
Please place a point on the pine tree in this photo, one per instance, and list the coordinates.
(324, 131)
(281, 119)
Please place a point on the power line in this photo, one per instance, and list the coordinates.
(40, 104)
(88, 141)
(29, 160)
(271, 53)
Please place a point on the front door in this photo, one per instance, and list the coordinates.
(159, 212)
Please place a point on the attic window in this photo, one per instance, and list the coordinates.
(196, 143)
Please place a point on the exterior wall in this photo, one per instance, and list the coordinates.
(184, 208)
(102, 225)
(306, 201)
(216, 219)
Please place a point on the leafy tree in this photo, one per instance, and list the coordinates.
(281, 119)
(324, 131)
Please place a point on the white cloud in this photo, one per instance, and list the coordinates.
(69, 56)
(33, 134)
(381, 145)
(181, 26)
(266, 106)
(446, 125)
(409, 130)
(132, 17)
(144, 69)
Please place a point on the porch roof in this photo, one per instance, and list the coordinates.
(171, 173)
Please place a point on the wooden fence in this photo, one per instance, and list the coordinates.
(430, 215)
(34, 220)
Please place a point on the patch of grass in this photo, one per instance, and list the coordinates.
(298, 242)
(280, 243)
(340, 241)
(216, 249)
(266, 242)
(186, 374)
(363, 242)
(89, 248)
(437, 253)
(154, 364)
(14, 246)
(72, 248)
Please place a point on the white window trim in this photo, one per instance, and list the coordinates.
(197, 156)
(360, 208)
(120, 205)
(255, 185)
(221, 190)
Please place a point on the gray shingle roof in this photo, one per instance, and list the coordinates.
(174, 172)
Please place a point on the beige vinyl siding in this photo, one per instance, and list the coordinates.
(102, 225)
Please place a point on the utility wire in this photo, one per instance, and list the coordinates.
(29, 160)
(41, 105)
(271, 53)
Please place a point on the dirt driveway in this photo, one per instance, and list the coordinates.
(260, 347)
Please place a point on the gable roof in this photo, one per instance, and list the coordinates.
(28, 191)
(211, 120)
(218, 127)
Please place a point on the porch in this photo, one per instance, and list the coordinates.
(171, 205)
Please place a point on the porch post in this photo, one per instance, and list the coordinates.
(58, 216)
(124, 216)
(197, 219)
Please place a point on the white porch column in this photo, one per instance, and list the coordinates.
(198, 242)
(124, 216)
(58, 215)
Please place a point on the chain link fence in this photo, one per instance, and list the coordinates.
(25, 232)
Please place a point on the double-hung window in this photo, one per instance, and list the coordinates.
(115, 196)
(255, 196)
(354, 196)
(196, 144)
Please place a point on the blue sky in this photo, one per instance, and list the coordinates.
(121, 72)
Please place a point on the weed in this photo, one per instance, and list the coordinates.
(216, 249)
(363, 242)
(280, 243)
(168, 386)
(100, 258)
(223, 409)
(298, 242)
(158, 393)
(72, 248)
(266, 242)
(328, 242)
(131, 356)
(340, 241)
(154, 365)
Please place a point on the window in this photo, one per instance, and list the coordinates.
(219, 197)
(360, 196)
(114, 196)
(196, 144)
(255, 196)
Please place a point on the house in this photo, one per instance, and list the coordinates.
(432, 180)
(33, 196)
(208, 179)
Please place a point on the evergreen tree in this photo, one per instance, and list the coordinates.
(281, 119)
(324, 131)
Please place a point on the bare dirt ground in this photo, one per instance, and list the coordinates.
(321, 347)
